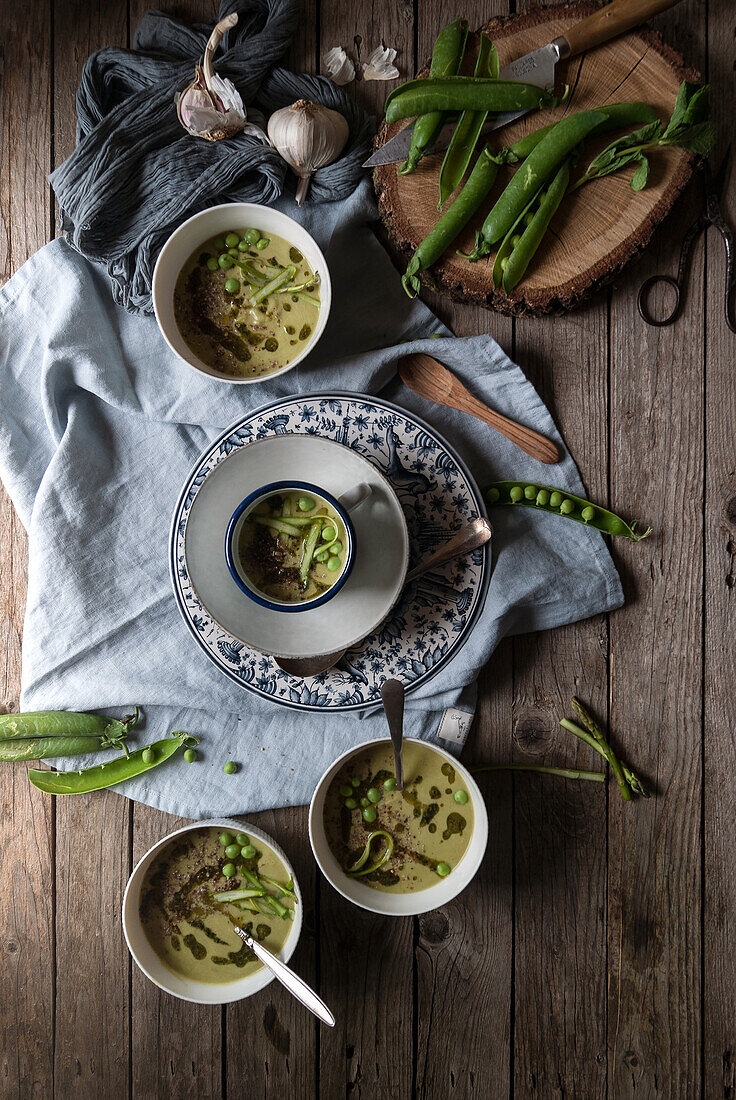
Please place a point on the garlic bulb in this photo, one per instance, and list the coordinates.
(308, 136)
(211, 107)
(338, 66)
(380, 65)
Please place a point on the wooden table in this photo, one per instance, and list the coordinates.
(595, 954)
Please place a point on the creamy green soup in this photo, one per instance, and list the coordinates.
(246, 304)
(192, 932)
(398, 841)
(292, 546)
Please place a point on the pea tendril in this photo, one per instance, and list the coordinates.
(359, 868)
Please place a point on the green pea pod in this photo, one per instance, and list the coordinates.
(38, 748)
(466, 133)
(453, 221)
(539, 166)
(447, 57)
(617, 115)
(62, 723)
(521, 255)
(465, 93)
(512, 238)
(545, 498)
(110, 772)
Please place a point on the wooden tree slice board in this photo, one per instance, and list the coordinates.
(598, 228)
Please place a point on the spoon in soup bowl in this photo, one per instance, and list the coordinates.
(392, 694)
(291, 981)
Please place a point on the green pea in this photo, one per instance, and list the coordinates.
(516, 493)
(224, 261)
(190, 755)
(373, 794)
(543, 497)
(492, 495)
(148, 756)
(212, 263)
(328, 534)
(306, 504)
(242, 246)
(443, 869)
(337, 547)
(219, 244)
(232, 851)
(389, 784)
(322, 556)
(555, 500)
(232, 286)
(364, 801)
(369, 813)
(530, 492)
(233, 252)
(263, 243)
(515, 240)
(461, 797)
(232, 240)
(351, 804)
(333, 564)
(529, 217)
(588, 513)
(229, 870)
(242, 839)
(346, 791)
(225, 839)
(355, 781)
(247, 851)
(230, 768)
(567, 507)
(502, 262)
(252, 236)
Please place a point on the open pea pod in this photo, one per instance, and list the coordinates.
(558, 502)
(524, 249)
(111, 772)
(468, 129)
(512, 238)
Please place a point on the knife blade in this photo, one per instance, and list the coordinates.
(537, 67)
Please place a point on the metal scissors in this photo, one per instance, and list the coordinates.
(711, 215)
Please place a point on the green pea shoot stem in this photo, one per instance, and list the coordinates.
(542, 769)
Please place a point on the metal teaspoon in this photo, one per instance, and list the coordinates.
(291, 981)
(392, 694)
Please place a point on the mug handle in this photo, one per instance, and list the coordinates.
(354, 497)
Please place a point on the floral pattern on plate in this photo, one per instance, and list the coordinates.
(435, 613)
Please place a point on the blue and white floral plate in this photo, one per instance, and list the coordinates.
(434, 615)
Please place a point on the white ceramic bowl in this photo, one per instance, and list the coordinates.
(398, 905)
(203, 993)
(220, 220)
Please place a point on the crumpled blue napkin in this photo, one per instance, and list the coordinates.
(99, 426)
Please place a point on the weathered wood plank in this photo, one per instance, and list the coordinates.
(92, 832)
(719, 719)
(654, 887)
(26, 816)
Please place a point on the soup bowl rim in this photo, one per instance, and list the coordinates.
(154, 968)
(397, 905)
(166, 271)
(248, 503)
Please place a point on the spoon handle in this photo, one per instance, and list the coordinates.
(392, 694)
(291, 981)
(469, 538)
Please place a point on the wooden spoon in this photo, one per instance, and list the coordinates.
(430, 379)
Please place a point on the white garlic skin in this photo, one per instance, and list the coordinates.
(308, 136)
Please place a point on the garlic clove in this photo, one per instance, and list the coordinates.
(308, 136)
(338, 66)
(211, 106)
(380, 64)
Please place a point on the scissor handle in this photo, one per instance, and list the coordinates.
(643, 301)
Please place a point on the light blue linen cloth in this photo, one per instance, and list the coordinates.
(99, 426)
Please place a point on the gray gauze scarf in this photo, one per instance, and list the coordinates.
(136, 175)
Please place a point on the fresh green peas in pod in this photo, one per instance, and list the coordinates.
(588, 513)
(148, 756)
(530, 492)
(567, 507)
(555, 499)
(542, 497)
(447, 57)
(516, 493)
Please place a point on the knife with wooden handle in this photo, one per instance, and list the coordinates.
(538, 67)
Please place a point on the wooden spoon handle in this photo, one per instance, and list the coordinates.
(430, 379)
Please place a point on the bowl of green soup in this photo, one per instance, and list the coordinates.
(185, 897)
(241, 292)
(398, 852)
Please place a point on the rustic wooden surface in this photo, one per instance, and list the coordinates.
(597, 230)
(595, 953)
